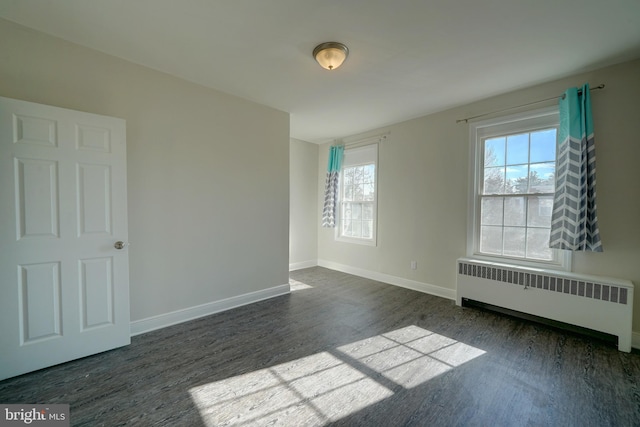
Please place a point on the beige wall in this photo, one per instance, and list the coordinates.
(208, 173)
(303, 235)
(423, 185)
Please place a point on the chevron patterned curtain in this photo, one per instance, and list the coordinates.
(574, 221)
(331, 186)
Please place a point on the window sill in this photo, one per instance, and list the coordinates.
(363, 242)
(563, 264)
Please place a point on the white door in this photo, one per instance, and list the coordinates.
(64, 287)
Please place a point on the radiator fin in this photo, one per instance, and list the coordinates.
(581, 288)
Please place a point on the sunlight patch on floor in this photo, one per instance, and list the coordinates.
(312, 390)
(326, 387)
(410, 356)
(294, 285)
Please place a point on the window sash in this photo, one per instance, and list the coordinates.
(357, 219)
(531, 231)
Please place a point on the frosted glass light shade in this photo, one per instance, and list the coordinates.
(330, 55)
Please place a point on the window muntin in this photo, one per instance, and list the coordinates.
(358, 204)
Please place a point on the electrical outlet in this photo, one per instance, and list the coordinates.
(414, 265)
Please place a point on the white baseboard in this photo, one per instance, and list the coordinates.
(304, 264)
(173, 318)
(392, 280)
(635, 340)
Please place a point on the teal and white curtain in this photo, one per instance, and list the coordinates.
(331, 186)
(574, 222)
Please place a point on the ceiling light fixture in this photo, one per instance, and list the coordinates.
(330, 55)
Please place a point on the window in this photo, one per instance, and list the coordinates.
(358, 201)
(513, 187)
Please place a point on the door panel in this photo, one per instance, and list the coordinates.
(64, 286)
(39, 302)
(93, 138)
(96, 277)
(94, 204)
(36, 187)
(34, 130)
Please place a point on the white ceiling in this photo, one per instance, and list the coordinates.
(407, 58)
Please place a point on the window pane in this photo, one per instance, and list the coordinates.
(514, 239)
(348, 192)
(356, 210)
(538, 244)
(539, 214)
(368, 192)
(367, 229)
(359, 178)
(346, 227)
(494, 180)
(367, 211)
(514, 211)
(369, 173)
(517, 179)
(358, 192)
(543, 146)
(542, 178)
(494, 152)
(356, 228)
(518, 149)
(346, 210)
(492, 211)
(491, 240)
(363, 174)
(348, 176)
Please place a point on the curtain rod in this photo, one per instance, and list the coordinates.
(601, 86)
(349, 142)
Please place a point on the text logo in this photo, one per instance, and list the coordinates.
(34, 415)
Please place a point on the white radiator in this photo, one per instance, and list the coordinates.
(597, 303)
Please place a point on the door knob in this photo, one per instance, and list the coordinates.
(119, 245)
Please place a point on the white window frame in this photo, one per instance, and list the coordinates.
(352, 151)
(522, 122)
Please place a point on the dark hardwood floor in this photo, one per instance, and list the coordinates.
(344, 350)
